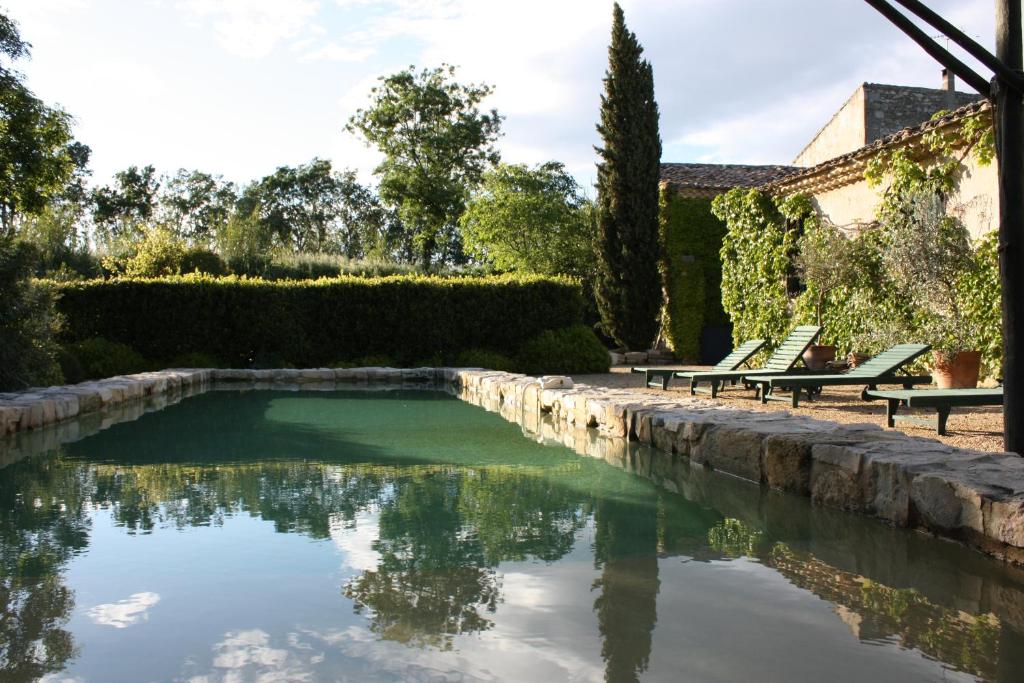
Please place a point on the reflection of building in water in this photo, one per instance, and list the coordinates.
(875, 612)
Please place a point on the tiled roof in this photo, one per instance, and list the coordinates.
(849, 167)
(720, 177)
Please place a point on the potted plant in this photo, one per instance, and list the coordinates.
(928, 252)
(823, 266)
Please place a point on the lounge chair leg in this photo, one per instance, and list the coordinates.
(892, 405)
(693, 387)
(714, 388)
(762, 393)
(664, 382)
(796, 396)
(941, 421)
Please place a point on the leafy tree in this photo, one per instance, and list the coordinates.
(122, 209)
(530, 219)
(11, 44)
(196, 205)
(628, 283)
(436, 145)
(312, 208)
(38, 156)
(245, 244)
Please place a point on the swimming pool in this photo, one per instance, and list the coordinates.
(407, 535)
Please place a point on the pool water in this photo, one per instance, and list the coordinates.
(407, 535)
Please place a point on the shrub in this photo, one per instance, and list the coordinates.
(367, 362)
(570, 350)
(28, 321)
(99, 358)
(200, 260)
(70, 366)
(482, 358)
(159, 253)
(310, 323)
(194, 359)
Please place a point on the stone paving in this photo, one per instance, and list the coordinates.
(973, 496)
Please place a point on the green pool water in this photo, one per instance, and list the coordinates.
(410, 536)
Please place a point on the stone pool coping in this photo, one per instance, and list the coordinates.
(974, 497)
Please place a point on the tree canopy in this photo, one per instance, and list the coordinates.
(38, 155)
(530, 219)
(436, 145)
(313, 208)
(123, 207)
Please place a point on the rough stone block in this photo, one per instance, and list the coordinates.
(728, 449)
(787, 462)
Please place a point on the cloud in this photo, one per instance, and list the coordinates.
(355, 540)
(334, 52)
(253, 28)
(248, 656)
(124, 613)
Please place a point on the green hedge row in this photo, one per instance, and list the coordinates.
(313, 323)
(691, 239)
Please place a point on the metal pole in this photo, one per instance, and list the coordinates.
(1009, 128)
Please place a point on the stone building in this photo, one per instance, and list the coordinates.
(843, 196)
(876, 119)
(875, 111)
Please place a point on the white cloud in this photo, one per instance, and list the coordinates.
(355, 540)
(248, 656)
(124, 613)
(333, 52)
(253, 28)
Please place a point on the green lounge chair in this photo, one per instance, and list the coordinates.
(659, 377)
(881, 369)
(943, 400)
(782, 360)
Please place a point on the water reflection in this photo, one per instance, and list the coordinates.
(448, 517)
(42, 524)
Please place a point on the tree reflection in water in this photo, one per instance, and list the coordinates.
(440, 538)
(42, 523)
(626, 549)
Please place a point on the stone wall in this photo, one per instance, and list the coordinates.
(875, 111)
(843, 133)
(971, 496)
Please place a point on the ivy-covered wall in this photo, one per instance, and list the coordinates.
(692, 270)
(913, 276)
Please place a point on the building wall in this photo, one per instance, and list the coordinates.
(891, 108)
(852, 207)
(875, 111)
(843, 133)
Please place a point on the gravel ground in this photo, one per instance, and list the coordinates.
(977, 428)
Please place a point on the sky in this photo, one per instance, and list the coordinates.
(240, 87)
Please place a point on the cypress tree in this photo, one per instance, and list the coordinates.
(628, 289)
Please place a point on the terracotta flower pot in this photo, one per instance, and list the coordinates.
(956, 371)
(818, 355)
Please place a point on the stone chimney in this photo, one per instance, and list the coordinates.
(948, 80)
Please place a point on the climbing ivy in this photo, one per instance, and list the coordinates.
(691, 238)
(870, 307)
(756, 258)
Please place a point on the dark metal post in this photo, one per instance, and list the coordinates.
(1009, 128)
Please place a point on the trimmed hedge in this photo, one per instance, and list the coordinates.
(314, 323)
(691, 239)
(568, 351)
